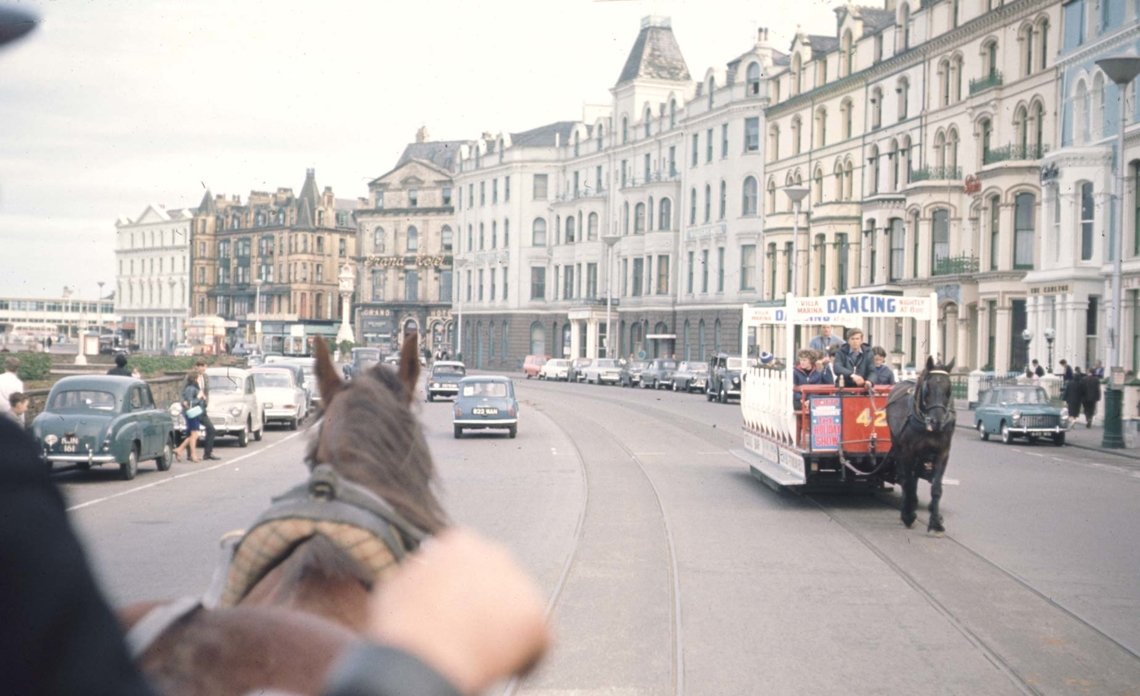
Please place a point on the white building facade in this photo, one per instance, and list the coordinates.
(646, 211)
(152, 260)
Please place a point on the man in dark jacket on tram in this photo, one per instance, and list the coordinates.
(853, 363)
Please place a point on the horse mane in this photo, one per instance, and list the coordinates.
(371, 436)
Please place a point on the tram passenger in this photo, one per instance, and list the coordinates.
(882, 372)
(807, 371)
(853, 362)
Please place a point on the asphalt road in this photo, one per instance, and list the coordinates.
(670, 570)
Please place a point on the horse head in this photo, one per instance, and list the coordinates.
(934, 398)
(370, 435)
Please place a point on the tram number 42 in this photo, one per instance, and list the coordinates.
(865, 418)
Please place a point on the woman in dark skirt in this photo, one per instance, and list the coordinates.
(1074, 395)
(190, 400)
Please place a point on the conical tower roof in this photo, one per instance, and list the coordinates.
(656, 54)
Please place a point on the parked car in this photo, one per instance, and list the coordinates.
(234, 408)
(724, 377)
(444, 378)
(362, 359)
(281, 396)
(577, 370)
(486, 402)
(1020, 411)
(308, 376)
(555, 368)
(659, 374)
(631, 373)
(603, 371)
(533, 363)
(691, 376)
(103, 419)
(307, 386)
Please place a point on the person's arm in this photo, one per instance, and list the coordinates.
(459, 612)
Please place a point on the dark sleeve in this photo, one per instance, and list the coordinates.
(377, 670)
(840, 365)
(57, 634)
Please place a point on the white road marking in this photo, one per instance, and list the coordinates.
(950, 481)
(145, 486)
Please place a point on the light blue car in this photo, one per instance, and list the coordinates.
(1020, 411)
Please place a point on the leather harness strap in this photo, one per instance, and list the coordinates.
(147, 630)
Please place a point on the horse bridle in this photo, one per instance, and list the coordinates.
(921, 412)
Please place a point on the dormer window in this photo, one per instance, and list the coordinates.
(413, 198)
(753, 79)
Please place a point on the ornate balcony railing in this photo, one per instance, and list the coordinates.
(984, 83)
(1014, 152)
(936, 174)
(955, 265)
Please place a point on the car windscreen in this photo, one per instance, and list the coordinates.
(638, 365)
(604, 362)
(1023, 396)
(485, 389)
(82, 400)
(224, 383)
(269, 379)
(735, 363)
(698, 367)
(447, 371)
(668, 365)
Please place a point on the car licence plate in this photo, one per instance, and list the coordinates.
(69, 444)
(485, 411)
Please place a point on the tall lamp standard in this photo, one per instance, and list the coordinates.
(1027, 337)
(347, 282)
(796, 195)
(459, 265)
(1050, 335)
(610, 240)
(257, 312)
(99, 306)
(1122, 71)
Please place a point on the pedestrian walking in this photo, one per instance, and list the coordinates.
(192, 403)
(10, 383)
(1090, 395)
(1072, 392)
(204, 396)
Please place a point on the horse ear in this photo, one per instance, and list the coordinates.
(410, 364)
(328, 381)
(950, 367)
(929, 363)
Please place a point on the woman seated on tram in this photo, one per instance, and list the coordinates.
(881, 372)
(810, 369)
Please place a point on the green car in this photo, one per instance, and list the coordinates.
(1020, 411)
(104, 420)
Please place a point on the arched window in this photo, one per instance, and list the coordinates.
(876, 108)
(538, 232)
(797, 131)
(848, 180)
(940, 240)
(773, 143)
(600, 136)
(817, 185)
(944, 81)
(751, 194)
(413, 239)
(1024, 215)
(624, 130)
(672, 113)
(708, 203)
(378, 244)
(796, 73)
(753, 79)
(770, 206)
(1043, 43)
(873, 173)
(838, 173)
(1097, 124)
(665, 216)
(939, 151)
(995, 231)
(537, 338)
(1081, 114)
(846, 111)
(904, 26)
(892, 157)
(648, 120)
(625, 218)
(1088, 219)
(692, 206)
(445, 238)
(985, 136)
(1025, 38)
(847, 54)
(1037, 118)
(952, 153)
(821, 127)
(902, 89)
(639, 218)
(1021, 129)
(592, 226)
(571, 232)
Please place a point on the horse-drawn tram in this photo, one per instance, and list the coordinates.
(820, 436)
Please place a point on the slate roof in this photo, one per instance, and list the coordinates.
(822, 45)
(656, 55)
(781, 58)
(544, 136)
(876, 19)
(308, 201)
(442, 153)
(208, 206)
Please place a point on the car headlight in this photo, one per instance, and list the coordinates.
(435, 385)
(50, 440)
(235, 411)
(268, 404)
(1064, 414)
(1016, 415)
(735, 381)
(106, 444)
(175, 409)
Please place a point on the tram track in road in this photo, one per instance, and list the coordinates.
(979, 636)
(677, 635)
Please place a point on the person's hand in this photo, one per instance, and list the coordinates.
(858, 380)
(465, 607)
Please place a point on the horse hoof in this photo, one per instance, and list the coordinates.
(909, 523)
(936, 533)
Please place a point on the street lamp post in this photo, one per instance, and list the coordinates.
(610, 240)
(1122, 71)
(796, 194)
(459, 264)
(99, 307)
(1050, 335)
(347, 282)
(257, 313)
(1028, 338)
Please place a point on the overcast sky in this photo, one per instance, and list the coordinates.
(110, 105)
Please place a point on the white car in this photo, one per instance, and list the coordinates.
(603, 371)
(281, 396)
(556, 368)
(234, 408)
